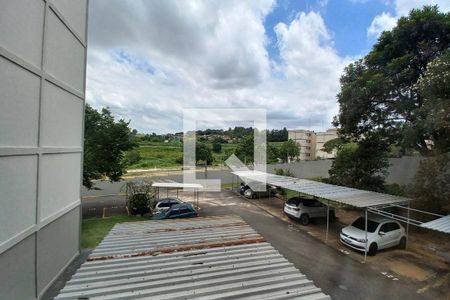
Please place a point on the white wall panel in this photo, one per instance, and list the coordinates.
(75, 14)
(62, 116)
(64, 54)
(18, 194)
(19, 99)
(21, 33)
(60, 182)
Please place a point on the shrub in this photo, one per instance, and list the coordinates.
(139, 204)
(140, 197)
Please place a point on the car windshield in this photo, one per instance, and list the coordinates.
(360, 223)
(164, 204)
(294, 201)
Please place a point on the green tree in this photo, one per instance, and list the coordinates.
(431, 185)
(360, 165)
(245, 149)
(334, 144)
(203, 154)
(105, 142)
(378, 94)
(217, 147)
(272, 154)
(434, 114)
(289, 149)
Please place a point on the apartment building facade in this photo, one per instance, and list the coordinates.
(42, 84)
(311, 143)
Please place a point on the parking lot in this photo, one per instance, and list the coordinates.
(339, 271)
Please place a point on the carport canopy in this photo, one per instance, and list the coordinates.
(340, 194)
(179, 185)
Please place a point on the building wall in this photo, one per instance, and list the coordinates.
(42, 84)
(321, 139)
(311, 143)
(306, 140)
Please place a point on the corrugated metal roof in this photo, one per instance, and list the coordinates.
(201, 258)
(340, 194)
(441, 224)
(177, 185)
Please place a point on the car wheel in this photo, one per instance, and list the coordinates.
(373, 249)
(304, 219)
(402, 244)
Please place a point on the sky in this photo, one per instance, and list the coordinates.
(149, 60)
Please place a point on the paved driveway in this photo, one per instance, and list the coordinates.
(335, 273)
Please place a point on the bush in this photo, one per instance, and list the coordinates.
(140, 196)
(139, 204)
(217, 147)
(283, 172)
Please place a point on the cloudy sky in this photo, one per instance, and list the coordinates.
(148, 60)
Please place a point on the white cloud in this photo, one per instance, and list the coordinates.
(380, 23)
(386, 21)
(209, 54)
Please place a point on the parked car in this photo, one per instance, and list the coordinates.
(183, 210)
(305, 209)
(251, 194)
(243, 188)
(382, 233)
(166, 203)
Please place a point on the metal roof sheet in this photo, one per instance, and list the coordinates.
(177, 185)
(344, 195)
(441, 224)
(200, 258)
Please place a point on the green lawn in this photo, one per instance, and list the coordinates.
(170, 155)
(94, 230)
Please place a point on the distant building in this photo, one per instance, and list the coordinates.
(306, 139)
(321, 139)
(311, 143)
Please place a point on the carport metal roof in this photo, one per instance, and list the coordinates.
(201, 258)
(177, 185)
(441, 224)
(340, 194)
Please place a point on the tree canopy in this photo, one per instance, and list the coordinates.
(378, 92)
(105, 141)
(289, 150)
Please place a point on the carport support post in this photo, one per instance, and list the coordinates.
(328, 219)
(407, 224)
(365, 248)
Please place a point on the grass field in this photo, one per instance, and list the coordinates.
(170, 155)
(94, 230)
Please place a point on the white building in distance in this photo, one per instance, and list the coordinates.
(311, 143)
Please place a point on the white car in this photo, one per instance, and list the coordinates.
(305, 209)
(382, 233)
(166, 203)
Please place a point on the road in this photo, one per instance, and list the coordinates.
(335, 273)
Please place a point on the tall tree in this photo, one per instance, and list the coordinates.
(360, 165)
(105, 141)
(245, 149)
(203, 154)
(289, 150)
(378, 96)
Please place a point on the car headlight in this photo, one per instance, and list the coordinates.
(362, 240)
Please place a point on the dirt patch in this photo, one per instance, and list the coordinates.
(404, 268)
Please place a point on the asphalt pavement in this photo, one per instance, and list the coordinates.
(335, 273)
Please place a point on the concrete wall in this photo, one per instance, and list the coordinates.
(42, 84)
(400, 171)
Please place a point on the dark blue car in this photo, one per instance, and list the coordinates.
(183, 210)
